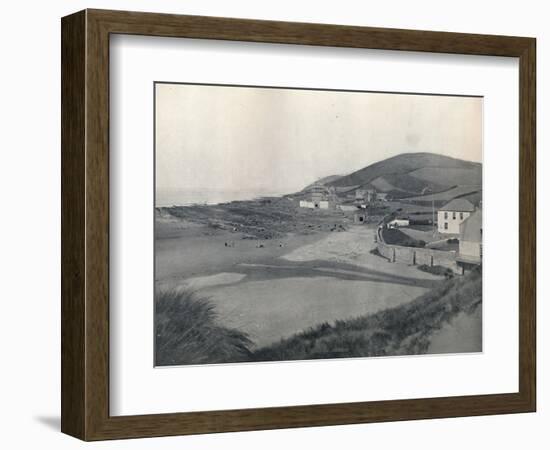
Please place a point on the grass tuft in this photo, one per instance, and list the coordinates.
(187, 332)
(437, 270)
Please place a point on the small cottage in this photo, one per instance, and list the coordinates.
(306, 204)
(319, 197)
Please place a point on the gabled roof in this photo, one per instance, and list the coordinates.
(458, 204)
(318, 189)
(470, 229)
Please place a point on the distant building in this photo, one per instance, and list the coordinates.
(321, 197)
(348, 208)
(396, 223)
(360, 217)
(371, 195)
(306, 204)
(382, 196)
(450, 216)
(470, 247)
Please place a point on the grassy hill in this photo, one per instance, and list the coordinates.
(470, 192)
(450, 175)
(408, 174)
(324, 180)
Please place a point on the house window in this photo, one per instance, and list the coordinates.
(446, 225)
(454, 215)
(461, 216)
(446, 215)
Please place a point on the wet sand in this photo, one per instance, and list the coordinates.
(199, 251)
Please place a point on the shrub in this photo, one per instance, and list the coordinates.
(187, 332)
(437, 270)
(394, 236)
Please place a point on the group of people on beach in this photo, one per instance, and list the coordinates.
(258, 244)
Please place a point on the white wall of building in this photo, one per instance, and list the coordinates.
(469, 250)
(453, 219)
(396, 223)
(306, 204)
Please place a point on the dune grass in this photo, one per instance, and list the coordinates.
(403, 330)
(187, 332)
(437, 270)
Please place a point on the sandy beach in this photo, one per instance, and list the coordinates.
(274, 288)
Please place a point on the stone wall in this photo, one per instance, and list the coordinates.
(418, 256)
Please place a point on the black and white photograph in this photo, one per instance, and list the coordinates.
(297, 224)
(268, 225)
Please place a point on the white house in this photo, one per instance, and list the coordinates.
(470, 242)
(321, 197)
(450, 216)
(396, 223)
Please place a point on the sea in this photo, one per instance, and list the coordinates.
(202, 197)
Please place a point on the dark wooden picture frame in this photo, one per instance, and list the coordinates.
(85, 224)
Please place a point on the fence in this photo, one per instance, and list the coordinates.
(418, 256)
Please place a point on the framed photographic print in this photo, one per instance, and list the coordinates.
(272, 224)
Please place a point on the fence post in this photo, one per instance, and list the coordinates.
(431, 260)
(414, 257)
(393, 257)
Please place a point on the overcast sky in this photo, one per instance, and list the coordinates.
(280, 140)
